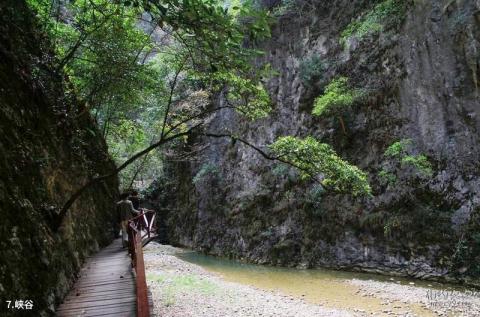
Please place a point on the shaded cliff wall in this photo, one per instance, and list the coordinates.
(49, 146)
(421, 77)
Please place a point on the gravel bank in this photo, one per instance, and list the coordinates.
(440, 302)
(182, 289)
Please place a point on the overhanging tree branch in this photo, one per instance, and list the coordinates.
(101, 178)
(173, 85)
(262, 152)
(198, 116)
(139, 169)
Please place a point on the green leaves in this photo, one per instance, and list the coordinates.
(251, 98)
(247, 95)
(313, 158)
(398, 148)
(420, 162)
(389, 11)
(139, 64)
(336, 98)
(311, 70)
(403, 151)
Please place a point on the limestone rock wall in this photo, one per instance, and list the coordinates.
(421, 75)
(49, 146)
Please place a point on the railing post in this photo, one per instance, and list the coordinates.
(136, 251)
(142, 295)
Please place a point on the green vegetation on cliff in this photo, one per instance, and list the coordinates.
(403, 151)
(388, 12)
(337, 97)
(314, 158)
(149, 73)
(146, 70)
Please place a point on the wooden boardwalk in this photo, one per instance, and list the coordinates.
(106, 286)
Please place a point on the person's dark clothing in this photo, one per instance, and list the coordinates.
(135, 201)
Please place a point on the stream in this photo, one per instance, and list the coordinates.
(190, 284)
(331, 288)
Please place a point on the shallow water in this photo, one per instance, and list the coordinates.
(320, 286)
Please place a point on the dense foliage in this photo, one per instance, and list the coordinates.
(314, 158)
(148, 70)
(383, 14)
(311, 69)
(338, 95)
(137, 64)
(403, 151)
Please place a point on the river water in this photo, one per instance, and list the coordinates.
(329, 288)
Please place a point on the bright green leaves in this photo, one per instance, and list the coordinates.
(338, 95)
(256, 103)
(389, 11)
(387, 177)
(420, 162)
(104, 46)
(398, 148)
(405, 164)
(313, 158)
(99, 47)
(128, 138)
(247, 96)
(403, 151)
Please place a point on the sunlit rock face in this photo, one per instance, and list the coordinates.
(421, 76)
(49, 146)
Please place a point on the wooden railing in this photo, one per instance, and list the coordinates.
(141, 229)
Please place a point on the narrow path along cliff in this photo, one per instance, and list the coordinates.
(185, 283)
(289, 134)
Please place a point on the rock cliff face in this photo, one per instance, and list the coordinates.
(48, 148)
(421, 73)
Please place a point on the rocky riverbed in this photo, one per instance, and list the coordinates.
(180, 288)
(440, 302)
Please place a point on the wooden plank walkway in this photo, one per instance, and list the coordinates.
(106, 286)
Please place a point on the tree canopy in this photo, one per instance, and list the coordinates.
(149, 71)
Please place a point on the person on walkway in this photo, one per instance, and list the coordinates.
(125, 212)
(135, 199)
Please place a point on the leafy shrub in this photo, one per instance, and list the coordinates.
(387, 177)
(311, 70)
(420, 162)
(402, 150)
(206, 169)
(389, 11)
(313, 158)
(398, 148)
(250, 97)
(336, 97)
